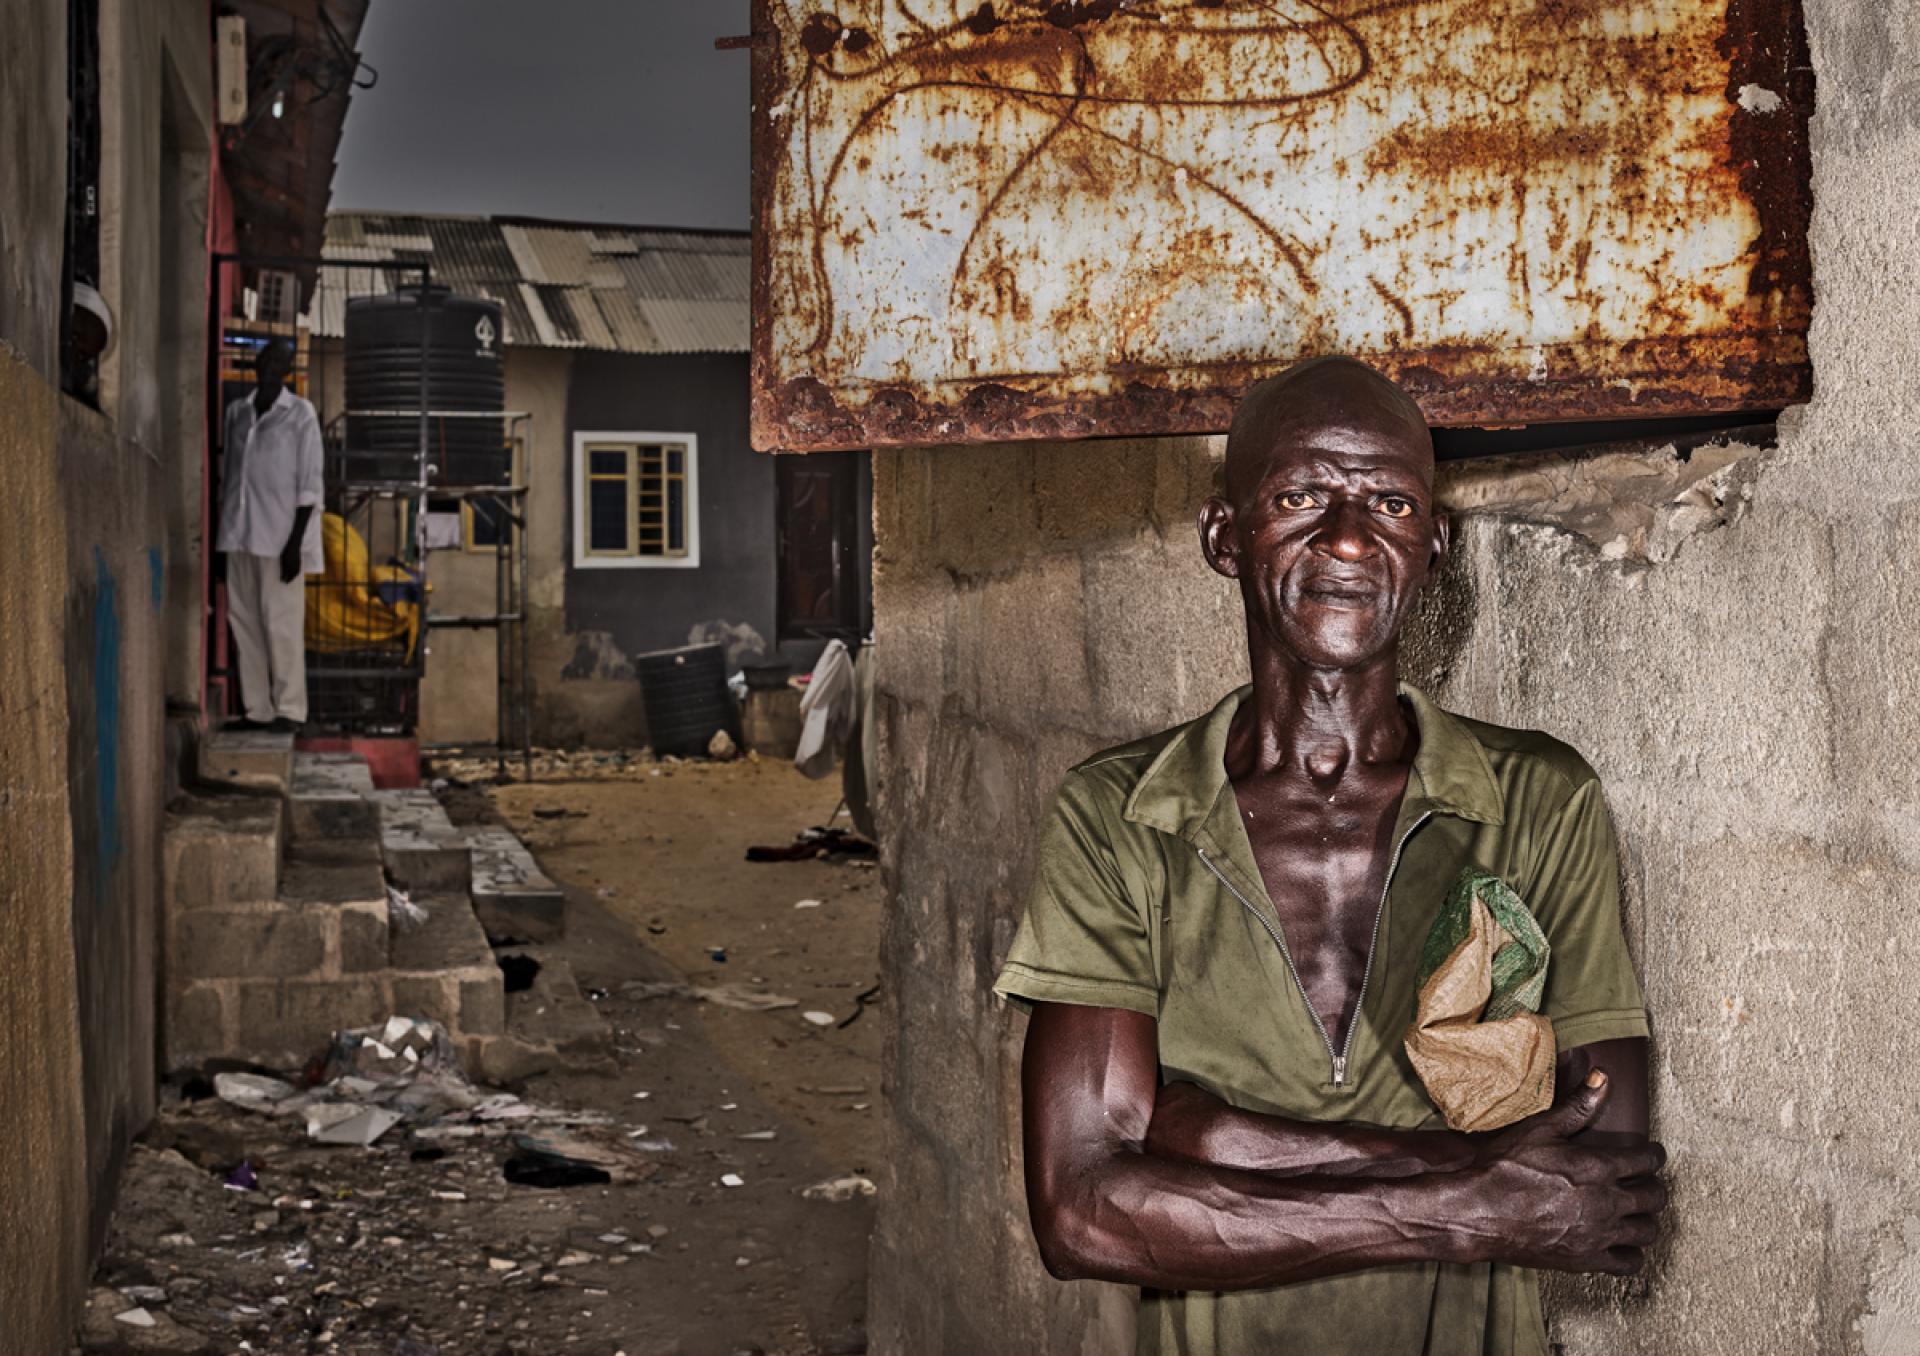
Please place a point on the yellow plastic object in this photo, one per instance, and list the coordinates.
(346, 601)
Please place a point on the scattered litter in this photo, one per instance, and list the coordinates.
(738, 996)
(348, 1123)
(253, 1092)
(654, 1146)
(501, 1264)
(242, 1178)
(449, 1195)
(815, 842)
(819, 1018)
(616, 1240)
(808, 904)
(144, 1294)
(298, 1257)
(717, 954)
(641, 1096)
(136, 1318)
(403, 913)
(552, 1171)
(503, 1106)
(730, 1106)
(840, 1189)
(657, 1231)
(758, 1135)
(576, 1258)
(721, 747)
(732, 1179)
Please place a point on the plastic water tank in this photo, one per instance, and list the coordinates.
(455, 342)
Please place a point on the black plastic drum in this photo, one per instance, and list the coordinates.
(686, 699)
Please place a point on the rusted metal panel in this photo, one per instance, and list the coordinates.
(1050, 218)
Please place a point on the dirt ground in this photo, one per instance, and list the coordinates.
(418, 1246)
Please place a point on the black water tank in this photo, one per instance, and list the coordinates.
(686, 699)
(460, 340)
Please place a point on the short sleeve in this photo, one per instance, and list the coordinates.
(1592, 992)
(1085, 938)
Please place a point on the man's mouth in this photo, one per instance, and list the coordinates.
(1340, 592)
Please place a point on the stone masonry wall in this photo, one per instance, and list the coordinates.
(1749, 699)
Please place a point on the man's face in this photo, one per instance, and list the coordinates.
(1329, 525)
(270, 369)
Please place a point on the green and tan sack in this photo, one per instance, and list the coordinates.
(1478, 1040)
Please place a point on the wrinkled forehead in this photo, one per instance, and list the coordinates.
(1327, 413)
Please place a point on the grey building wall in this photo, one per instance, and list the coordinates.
(614, 614)
(1749, 699)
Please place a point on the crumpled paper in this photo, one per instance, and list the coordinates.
(1478, 1040)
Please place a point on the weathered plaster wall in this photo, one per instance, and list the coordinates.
(83, 661)
(1749, 697)
(43, 1239)
(33, 178)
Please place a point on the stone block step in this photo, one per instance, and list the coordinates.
(330, 797)
(423, 850)
(221, 850)
(259, 760)
(445, 970)
(550, 1025)
(514, 900)
(322, 938)
(278, 1023)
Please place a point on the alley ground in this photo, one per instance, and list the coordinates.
(418, 1246)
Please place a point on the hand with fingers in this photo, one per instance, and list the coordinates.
(1538, 1198)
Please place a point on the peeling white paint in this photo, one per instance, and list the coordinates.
(1891, 1324)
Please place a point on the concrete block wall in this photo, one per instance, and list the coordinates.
(1750, 702)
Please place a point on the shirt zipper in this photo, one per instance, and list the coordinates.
(1337, 1058)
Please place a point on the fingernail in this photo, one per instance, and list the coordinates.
(1597, 1079)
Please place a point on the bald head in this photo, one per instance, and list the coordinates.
(1329, 405)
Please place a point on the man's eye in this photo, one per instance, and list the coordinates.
(1296, 500)
(1396, 508)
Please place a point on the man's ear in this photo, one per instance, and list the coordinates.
(1442, 540)
(1217, 537)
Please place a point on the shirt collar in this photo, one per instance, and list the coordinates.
(1181, 786)
(280, 402)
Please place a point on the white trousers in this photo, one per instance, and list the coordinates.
(269, 621)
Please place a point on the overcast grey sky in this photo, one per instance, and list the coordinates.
(593, 110)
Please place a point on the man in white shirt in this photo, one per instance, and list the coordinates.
(270, 530)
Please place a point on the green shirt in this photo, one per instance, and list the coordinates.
(1134, 906)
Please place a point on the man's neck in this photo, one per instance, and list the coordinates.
(1318, 723)
(262, 402)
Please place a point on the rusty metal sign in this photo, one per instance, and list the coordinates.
(1068, 218)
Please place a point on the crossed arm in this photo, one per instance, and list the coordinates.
(1173, 1189)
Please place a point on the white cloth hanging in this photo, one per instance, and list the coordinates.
(827, 712)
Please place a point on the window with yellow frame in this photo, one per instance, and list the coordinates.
(634, 500)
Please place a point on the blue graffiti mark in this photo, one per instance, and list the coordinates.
(106, 709)
(157, 576)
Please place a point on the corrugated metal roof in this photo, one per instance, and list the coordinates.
(616, 288)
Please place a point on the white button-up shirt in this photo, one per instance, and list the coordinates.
(272, 467)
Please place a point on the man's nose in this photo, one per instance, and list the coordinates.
(1344, 532)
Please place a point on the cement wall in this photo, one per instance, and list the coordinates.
(43, 1240)
(83, 619)
(1749, 700)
